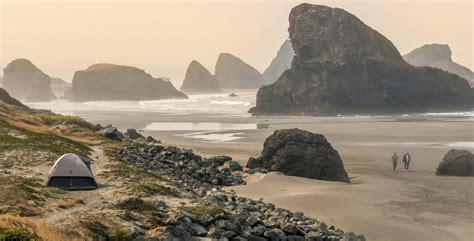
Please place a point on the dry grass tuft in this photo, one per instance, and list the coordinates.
(34, 229)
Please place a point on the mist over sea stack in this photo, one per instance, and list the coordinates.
(23, 80)
(199, 79)
(279, 64)
(233, 73)
(438, 56)
(342, 66)
(60, 87)
(117, 82)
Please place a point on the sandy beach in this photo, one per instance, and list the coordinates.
(379, 203)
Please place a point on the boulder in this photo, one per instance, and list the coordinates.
(300, 153)
(111, 133)
(233, 73)
(456, 163)
(279, 64)
(199, 79)
(232, 95)
(133, 134)
(23, 80)
(233, 166)
(437, 56)
(342, 66)
(151, 139)
(117, 82)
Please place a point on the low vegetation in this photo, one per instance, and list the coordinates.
(26, 229)
(13, 137)
(57, 119)
(211, 210)
(24, 196)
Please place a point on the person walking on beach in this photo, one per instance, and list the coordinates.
(395, 161)
(406, 161)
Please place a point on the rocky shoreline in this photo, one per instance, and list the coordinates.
(217, 214)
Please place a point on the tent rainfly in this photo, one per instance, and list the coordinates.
(71, 172)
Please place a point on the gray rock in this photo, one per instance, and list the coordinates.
(111, 133)
(301, 153)
(233, 166)
(116, 82)
(342, 66)
(23, 80)
(456, 163)
(173, 233)
(438, 56)
(199, 79)
(233, 73)
(133, 134)
(279, 64)
(275, 235)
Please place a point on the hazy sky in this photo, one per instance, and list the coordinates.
(162, 37)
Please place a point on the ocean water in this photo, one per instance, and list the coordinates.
(219, 104)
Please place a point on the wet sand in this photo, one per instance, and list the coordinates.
(379, 203)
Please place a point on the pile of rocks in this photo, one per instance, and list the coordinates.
(183, 166)
(240, 218)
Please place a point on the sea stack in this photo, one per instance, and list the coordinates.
(117, 82)
(342, 66)
(199, 79)
(438, 56)
(23, 80)
(233, 73)
(60, 87)
(279, 64)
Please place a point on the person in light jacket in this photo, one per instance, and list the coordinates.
(406, 161)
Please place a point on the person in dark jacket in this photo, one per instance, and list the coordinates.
(406, 161)
(395, 161)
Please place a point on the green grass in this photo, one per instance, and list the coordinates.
(149, 189)
(16, 235)
(56, 119)
(38, 141)
(137, 204)
(210, 210)
(18, 192)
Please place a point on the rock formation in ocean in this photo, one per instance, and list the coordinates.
(60, 87)
(456, 163)
(438, 56)
(296, 152)
(117, 82)
(199, 79)
(233, 73)
(23, 80)
(279, 64)
(1, 81)
(342, 66)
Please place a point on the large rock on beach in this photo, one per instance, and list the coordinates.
(117, 82)
(233, 73)
(199, 79)
(343, 66)
(23, 80)
(456, 163)
(296, 152)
